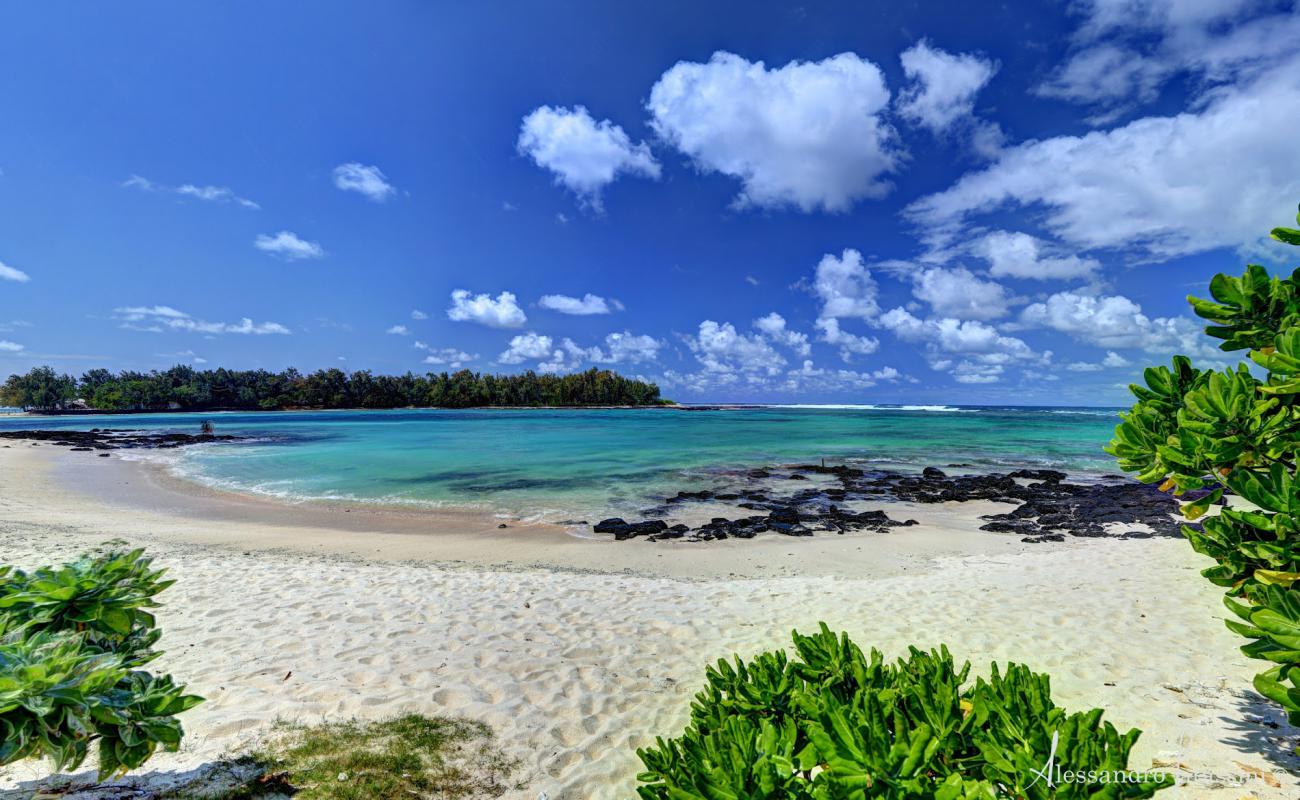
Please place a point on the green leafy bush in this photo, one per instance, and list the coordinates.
(835, 723)
(72, 640)
(104, 598)
(1232, 433)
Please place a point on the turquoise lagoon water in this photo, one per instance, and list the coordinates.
(559, 464)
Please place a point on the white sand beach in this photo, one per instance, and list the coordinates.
(576, 651)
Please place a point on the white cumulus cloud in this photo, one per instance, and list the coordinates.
(773, 326)
(628, 348)
(959, 294)
(622, 347)
(584, 155)
(526, 347)
(367, 180)
(1165, 186)
(1019, 255)
(985, 352)
(845, 287)
(808, 135)
(850, 344)
(10, 347)
(503, 312)
(942, 85)
(721, 348)
(811, 378)
(1116, 321)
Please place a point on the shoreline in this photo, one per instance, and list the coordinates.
(215, 517)
(673, 406)
(576, 651)
(97, 412)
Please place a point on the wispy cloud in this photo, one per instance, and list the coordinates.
(8, 273)
(586, 305)
(156, 319)
(208, 193)
(288, 245)
(450, 357)
(184, 355)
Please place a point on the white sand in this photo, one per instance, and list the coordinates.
(574, 669)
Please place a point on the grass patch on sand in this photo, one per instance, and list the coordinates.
(405, 757)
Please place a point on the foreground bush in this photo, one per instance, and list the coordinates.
(72, 641)
(1231, 433)
(836, 724)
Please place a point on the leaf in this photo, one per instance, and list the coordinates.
(1277, 577)
(1197, 508)
(1286, 235)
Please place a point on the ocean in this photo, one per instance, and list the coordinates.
(559, 464)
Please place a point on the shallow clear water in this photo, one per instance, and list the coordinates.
(560, 464)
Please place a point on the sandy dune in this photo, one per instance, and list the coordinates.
(574, 669)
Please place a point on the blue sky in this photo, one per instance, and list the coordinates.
(857, 202)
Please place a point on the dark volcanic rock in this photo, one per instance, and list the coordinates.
(1046, 508)
(786, 516)
(1048, 475)
(116, 439)
(682, 497)
(624, 530)
(1086, 510)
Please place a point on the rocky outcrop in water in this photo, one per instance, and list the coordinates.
(103, 439)
(783, 519)
(1047, 508)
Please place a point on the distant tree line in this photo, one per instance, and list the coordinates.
(184, 388)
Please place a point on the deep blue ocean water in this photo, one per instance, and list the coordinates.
(579, 463)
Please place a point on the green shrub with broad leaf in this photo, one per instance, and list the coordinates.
(72, 642)
(833, 723)
(1236, 432)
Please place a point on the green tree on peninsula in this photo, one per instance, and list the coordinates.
(183, 388)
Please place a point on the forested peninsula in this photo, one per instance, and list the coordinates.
(183, 388)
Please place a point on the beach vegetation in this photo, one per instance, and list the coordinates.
(1210, 435)
(833, 722)
(392, 759)
(41, 389)
(183, 388)
(73, 640)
